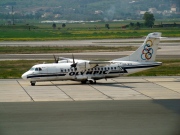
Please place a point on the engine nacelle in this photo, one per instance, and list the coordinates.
(63, 61)
(83, 66)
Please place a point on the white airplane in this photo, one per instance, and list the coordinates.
(90, 71)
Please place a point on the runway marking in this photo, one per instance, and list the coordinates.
(25, 90)
(101, 92)
(134, 90)
(163, 86)
(62, 91)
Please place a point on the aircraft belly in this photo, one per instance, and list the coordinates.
(131, 71)
(112, 75)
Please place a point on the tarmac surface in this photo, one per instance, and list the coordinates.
(125, 105)
(122, 88)
(105, 42)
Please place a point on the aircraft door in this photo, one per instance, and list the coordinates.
(52, 73)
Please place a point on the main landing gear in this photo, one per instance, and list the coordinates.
(33, 83)
(91, 81)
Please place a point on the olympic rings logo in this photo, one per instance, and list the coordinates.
(147, 52)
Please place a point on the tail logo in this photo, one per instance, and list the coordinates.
(147, 52)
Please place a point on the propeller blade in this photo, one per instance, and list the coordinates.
(55, 59)
(73, 59)
(74, 64)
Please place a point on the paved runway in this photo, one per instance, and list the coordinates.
(105, 42)
(123, 88)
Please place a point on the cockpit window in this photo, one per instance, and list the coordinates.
(32, 69)
(36, 69)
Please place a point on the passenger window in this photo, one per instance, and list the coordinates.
(111, 68)
(114, 67)
(68, 70)
(101, 68)
(64, 70)
(104, 68)
(61, 70)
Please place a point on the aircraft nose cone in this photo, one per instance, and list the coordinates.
(24, 76)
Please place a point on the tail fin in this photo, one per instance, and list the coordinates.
(147, 51)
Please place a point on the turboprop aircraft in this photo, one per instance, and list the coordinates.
(90, 71)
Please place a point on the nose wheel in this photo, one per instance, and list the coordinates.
(33, 83)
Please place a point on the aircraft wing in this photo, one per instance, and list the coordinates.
(69, 60)
(84, 64)
(99, 63)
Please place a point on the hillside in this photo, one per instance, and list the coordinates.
(79, 9)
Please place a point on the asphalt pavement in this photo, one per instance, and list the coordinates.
(127, 117)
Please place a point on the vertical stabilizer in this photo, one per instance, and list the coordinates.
(147, 51)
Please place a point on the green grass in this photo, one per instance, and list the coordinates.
(56, 49)
(77, 31)
(168, 68)
(14, 69)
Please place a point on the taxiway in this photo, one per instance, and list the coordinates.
(122, 88)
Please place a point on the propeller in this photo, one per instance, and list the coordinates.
(74, 65)
(56, 59)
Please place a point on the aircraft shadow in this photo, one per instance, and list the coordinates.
(114, 84)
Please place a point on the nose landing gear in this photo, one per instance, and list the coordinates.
(33, 83)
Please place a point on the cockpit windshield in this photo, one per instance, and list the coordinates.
(32, 69)
(36, 69)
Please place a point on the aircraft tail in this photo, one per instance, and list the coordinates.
(147, 51)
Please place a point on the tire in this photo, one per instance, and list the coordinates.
(91, 82)
(83, 82)
(33, 83)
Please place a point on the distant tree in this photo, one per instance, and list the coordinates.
(54, 26)
(138, 24)
(149, 19)
(131, 24)
(107, 26)
(63, 25)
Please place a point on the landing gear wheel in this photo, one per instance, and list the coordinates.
(33, 83)
(83, 82)
(91, 82)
